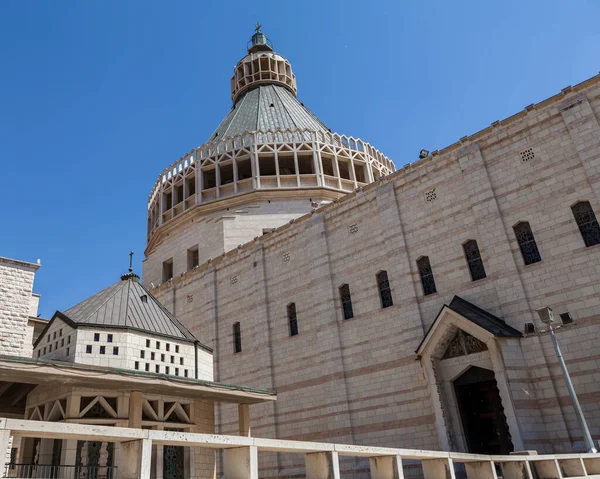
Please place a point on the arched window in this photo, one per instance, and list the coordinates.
(527, 243)
(346, 301)
(385, 293)
(292, 319)
(474, 261)
(426, 273)
(237, 338)
(587, 222)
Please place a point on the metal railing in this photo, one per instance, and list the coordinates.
(59, 472)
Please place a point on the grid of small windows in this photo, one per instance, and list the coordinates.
(385, 292)
(426, 273)
(346, 301)
(292, 319)
(527, 243)
(474, 261)
(587, 223)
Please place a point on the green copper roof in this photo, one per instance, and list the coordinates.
(266, 107)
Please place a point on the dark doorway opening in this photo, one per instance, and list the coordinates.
(481, 412)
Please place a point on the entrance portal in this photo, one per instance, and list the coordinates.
(481, 412)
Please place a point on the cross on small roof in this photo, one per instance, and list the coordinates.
(130, 261)
(257, 27)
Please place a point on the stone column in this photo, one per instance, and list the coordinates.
(135, 459)
(386, 467)
(244, 419)
(240, 463)
(135, 409)
(322, 465)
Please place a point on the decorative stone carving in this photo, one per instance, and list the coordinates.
(462, 344)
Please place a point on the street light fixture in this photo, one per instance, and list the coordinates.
(547, 316)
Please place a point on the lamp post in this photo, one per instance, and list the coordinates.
(547, 317)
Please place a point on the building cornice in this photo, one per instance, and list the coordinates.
(22, 264)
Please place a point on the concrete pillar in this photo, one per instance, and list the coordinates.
(438, 469)
(134, 459)
(386, 467)
(240, 463)
(516, 470)
(481, 470)
(572, 467)
(547, 469)
(244, 419)
(135, 409)
(322, 465)
(68, 454)
(5, 442)
(592, 465)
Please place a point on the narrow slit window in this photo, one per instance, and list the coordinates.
(237, 338)
(346, 301)
(426, 273)
(474, 261)
(527, 243)
(587, 222)
(385, 292)
(292, 319)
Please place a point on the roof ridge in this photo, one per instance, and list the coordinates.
(172, 318)
(127, 305)
(112, 295)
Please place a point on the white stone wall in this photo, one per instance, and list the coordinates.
(358, 380)
(58, 342)
(218, 232)
(16, 283)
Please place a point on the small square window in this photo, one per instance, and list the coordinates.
(67, 351)
(157, 344)
(115, 350)
(147, 343)
(185, 373)
(54, 337)
(96, 337)
(142, 354)
(39, 352)
(88, 349)
(162, 358)
(166, 369)
(181, 361)
(60, 332)
(167, 346)
(44, 350)
(69, 340)
(48, 339)
(157, 368)
(172, 359)
(102, 349)
(177, 348)
(50, 350)
(176, 371)
(137, 365)
(62, 342)
(56, 345)
(152, 356)
(147, 367)
(109, 338)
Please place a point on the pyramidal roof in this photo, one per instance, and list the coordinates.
(127, 305)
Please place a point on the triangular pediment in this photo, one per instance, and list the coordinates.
(462, 344)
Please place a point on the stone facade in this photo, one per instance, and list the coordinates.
(18, 303)
(358, 380)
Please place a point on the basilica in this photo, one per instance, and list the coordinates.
(356, 302)
(389, 307)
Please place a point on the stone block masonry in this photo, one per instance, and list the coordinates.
(16, 284)
(358, 380)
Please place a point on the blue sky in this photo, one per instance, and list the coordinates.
(97, 98)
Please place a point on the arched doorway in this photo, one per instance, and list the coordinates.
(481, 412)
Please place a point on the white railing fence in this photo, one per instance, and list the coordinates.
(322, 460)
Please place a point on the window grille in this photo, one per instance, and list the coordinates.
(385, 293)
(292, 319)
(237, 338)
(474, 261)
(426, 273)
(587, 222)
(527, 243)
(346, 301)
